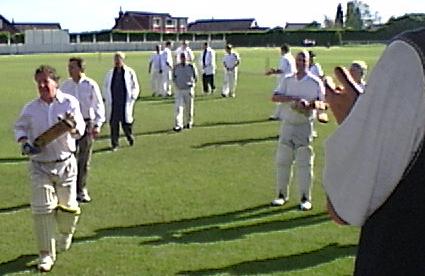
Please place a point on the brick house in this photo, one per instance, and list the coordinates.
(150, 22)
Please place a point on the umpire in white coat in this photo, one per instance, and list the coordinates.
(207, 62)
(120, 92)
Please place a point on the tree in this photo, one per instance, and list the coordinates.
(328, 23)
(353, 18)
(339, 18)
(359, 15)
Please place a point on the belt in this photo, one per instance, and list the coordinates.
(53, 161)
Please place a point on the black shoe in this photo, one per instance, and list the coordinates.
(131, 142)
(177, 129)
(188, 126)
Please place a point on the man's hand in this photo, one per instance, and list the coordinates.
(341, 99)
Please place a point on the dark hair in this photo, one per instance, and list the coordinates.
(285, 47)
(49, 70)
(168, 43)
(229, 46)
(80, 62)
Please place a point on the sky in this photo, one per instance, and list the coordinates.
(95, 15)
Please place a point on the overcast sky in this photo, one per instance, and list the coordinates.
(93, 15)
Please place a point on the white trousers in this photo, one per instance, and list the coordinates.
(184, 99)
(167, 81)
(157, 83)
(230, 80)
(53, 201)
(294, 145)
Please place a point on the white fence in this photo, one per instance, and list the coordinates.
(57, 41)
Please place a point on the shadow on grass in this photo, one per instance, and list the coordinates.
(170, 99)
(240, 142)
(13, 160)
(213, 228)
(16, 160)
(14, 208)
(205, 125)
(305, 260)
(20, 264)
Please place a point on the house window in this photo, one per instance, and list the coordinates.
(156, 22)
(1, 24)
(183, 23)
(170, 23)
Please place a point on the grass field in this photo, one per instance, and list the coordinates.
(192, 203)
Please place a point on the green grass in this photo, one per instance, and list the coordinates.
(192, 203)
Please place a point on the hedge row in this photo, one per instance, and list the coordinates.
(272, 37)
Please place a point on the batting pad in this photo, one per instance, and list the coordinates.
(44, 230)
(304, 157)
(284, 160)
(66, 222)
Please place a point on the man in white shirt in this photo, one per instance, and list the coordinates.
(156, 71)
(315, 67)
(286, 67)
(87, 92)
(167, 67)
(53, 168)
(296, 93)
(184, 48)
(121, 89)
(231, 62)
(207, 62)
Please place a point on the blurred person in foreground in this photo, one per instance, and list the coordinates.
(374, 160)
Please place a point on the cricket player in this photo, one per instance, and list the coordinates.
(207, 63)
(53, 168)
(167, 65)
(185, 49)
(295, 93)
(156, 71)
(286, 67)
(231, 62)
(184, 77)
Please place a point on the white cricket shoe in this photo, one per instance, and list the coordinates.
(278, 202)
(64, 242)
(306, 205)
(46, 263)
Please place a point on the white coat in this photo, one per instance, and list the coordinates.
(133, 90)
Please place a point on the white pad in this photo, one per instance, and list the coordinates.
(305, 158)
(66, 221)
(284, 160)
(44, 230)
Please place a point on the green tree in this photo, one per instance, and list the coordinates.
(353, 16)
(339, 18)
